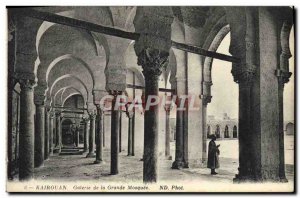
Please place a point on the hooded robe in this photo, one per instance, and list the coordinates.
(213, 155)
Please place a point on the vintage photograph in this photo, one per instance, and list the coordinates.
(141, 99)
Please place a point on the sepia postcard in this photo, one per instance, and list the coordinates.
(141, 99)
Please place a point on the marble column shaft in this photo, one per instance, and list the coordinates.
(58, 142)
(99, 136)
(51, 133)
(39, 138)
(114, 145)
(92, 136)
(46, 148)
(86, 135)
(26, 135)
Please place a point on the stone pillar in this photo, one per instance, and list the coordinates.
(51, 132)
(178, 163)
(120, 133)
(46, 148)
(77, 136)
(39, 138)
(205, 100)
(167, 137)
(152, 62)
(283, 77)
(130, 129)
(86, 134)
(152, 49)
(92, 136)
(58, 133)
(115, 118)
(26, 135)
(99, 135)
(103, 124)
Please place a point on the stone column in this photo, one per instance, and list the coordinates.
(77, 136)
(167, 138)
(205, 100)
(86, 134)
(152, 49)
(283, 77)
(26, 135)
(51, 132)
(39, 134)
(46, 148)
(103, 124)
(152, 62)
(92, 136)
(130, 129)
(99, 135)
(115, 118)
(120, 133)
(58, 133)
(178, 163)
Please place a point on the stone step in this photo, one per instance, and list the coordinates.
(71, 153)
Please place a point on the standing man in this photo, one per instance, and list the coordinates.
(213, 155)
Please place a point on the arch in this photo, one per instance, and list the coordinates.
(213, 47)
(46, 25)
(235, 135)
(67, 132)
(218, 132)
(50, 94)
(69, 56)
(129, 21)
(54, 97)
(226, 132)
(69, 96)
(290, 127)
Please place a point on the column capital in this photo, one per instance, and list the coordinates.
(243, 74)
(58, 113)
(92, 116)
(168, 107)
(283, 76)
(39, 99)
(115, 93)
(152, 62)
(205, 99)
(129, 114)
(98, 95)
(26, 80)
(51, 114)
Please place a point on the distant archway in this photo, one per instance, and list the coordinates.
(67, 133)
(217, 132)
(226, 132)
(290, 127)
(234, 131)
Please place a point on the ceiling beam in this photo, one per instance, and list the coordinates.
(54, 18)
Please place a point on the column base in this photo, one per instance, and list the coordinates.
(85, 151)
(57, 150)
(168, 157)
(283, 180)
(186, 165)
(177, 164)
(99, 162)
(242, 179)
(39, 166)
(90, 155)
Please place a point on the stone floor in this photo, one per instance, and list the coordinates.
(80, 168)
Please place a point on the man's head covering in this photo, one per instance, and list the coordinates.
(213, 137)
